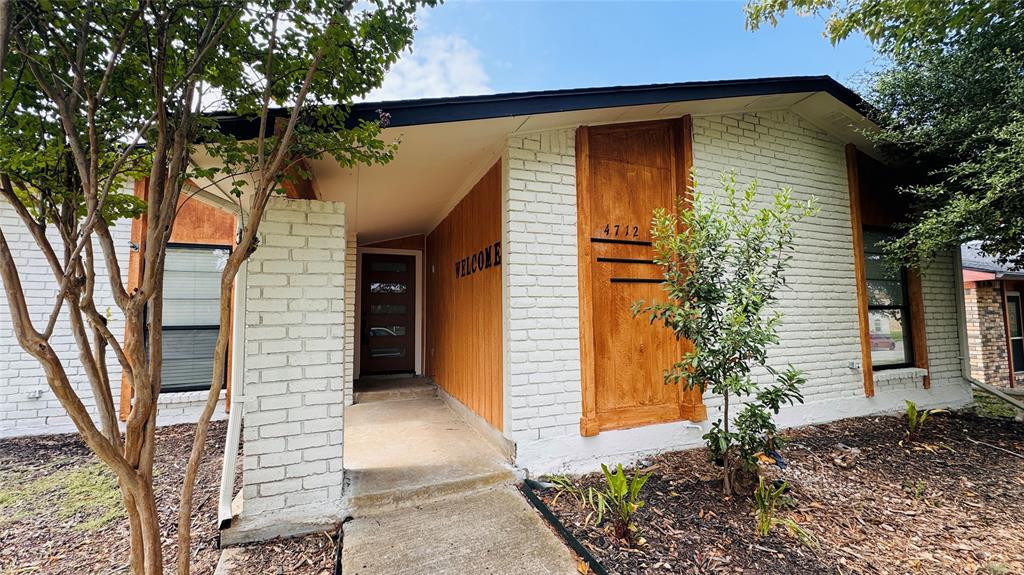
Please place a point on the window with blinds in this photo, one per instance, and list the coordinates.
(191, 306)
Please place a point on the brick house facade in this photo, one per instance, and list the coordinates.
(992, 295)
(487, 201)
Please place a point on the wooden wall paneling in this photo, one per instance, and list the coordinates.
(463, 297)
(623, 172)
(860, 276)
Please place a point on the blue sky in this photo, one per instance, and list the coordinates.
(487, 46)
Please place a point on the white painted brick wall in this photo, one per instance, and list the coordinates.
(295, 357)
(351, 262)
(27, 406)
(542, 342)
(819, 334)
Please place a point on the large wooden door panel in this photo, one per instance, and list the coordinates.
(624, 172)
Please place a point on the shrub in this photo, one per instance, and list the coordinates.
(622, 496)
(724, 262)
(916, 419)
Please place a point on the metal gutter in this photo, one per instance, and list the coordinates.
(227, 476)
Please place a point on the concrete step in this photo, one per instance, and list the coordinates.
(381, 502)
(390, 389)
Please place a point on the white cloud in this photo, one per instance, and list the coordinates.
(437, 66)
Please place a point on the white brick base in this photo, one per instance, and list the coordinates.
(294, 369)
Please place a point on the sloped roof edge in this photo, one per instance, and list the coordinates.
(462, 108)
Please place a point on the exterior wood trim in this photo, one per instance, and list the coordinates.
(588, 422)
(860, 275)
(917, 325)
(196, 223)
(690, 403)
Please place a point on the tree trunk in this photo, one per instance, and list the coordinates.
(203, 425)
(726, 457)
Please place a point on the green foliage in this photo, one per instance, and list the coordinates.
(152, 74)
(916, 419)
(951, 109)
(957, 116)
(588, 498)
(767, 499)
(895, 26)
(766, 503)
(724, 259)
(756, 432)
(916, 489)
(622, 496)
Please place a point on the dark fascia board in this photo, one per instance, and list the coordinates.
(462, 108)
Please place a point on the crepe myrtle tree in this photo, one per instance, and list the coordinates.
(724, 261)
(94, 93)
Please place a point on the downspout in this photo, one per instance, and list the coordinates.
(227, 477)
(965, 355)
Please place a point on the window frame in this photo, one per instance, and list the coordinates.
(905, 309)
(166, 328)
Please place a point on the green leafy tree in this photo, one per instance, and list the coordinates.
(895, 26)
(724, 262)
(94, 93)
(950, 107)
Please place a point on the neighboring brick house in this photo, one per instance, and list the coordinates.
(995, 325)
(499, 253)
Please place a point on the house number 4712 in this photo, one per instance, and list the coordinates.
(621, 231)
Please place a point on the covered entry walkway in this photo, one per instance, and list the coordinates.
(431, 495)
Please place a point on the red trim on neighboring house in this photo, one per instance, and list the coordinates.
(977, 276)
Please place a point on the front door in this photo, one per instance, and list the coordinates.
(388, 301)
(629, 171)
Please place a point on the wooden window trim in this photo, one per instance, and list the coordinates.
(859, 272)
(919, 337)
(690, 405)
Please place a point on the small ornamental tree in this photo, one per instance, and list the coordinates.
(724, 261)
(94, 93)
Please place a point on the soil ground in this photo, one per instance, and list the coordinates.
(60, 511)
(940, 505)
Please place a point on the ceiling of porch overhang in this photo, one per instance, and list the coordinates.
(437, 164)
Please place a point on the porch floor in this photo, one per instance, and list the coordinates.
(404, 451)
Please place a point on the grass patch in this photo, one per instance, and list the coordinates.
(86, 494)
(988, 405)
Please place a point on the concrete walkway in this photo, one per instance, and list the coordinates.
(430, 495)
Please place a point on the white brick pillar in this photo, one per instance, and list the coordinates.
(295, 356)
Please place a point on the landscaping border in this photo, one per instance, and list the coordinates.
(527, 488)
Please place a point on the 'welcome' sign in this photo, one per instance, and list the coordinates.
(488, 257)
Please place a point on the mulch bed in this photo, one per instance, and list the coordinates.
(942, 505)
(310, 555)
(62, 509)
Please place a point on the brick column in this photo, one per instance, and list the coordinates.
(295, 356)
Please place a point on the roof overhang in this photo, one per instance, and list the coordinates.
(447, 144)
